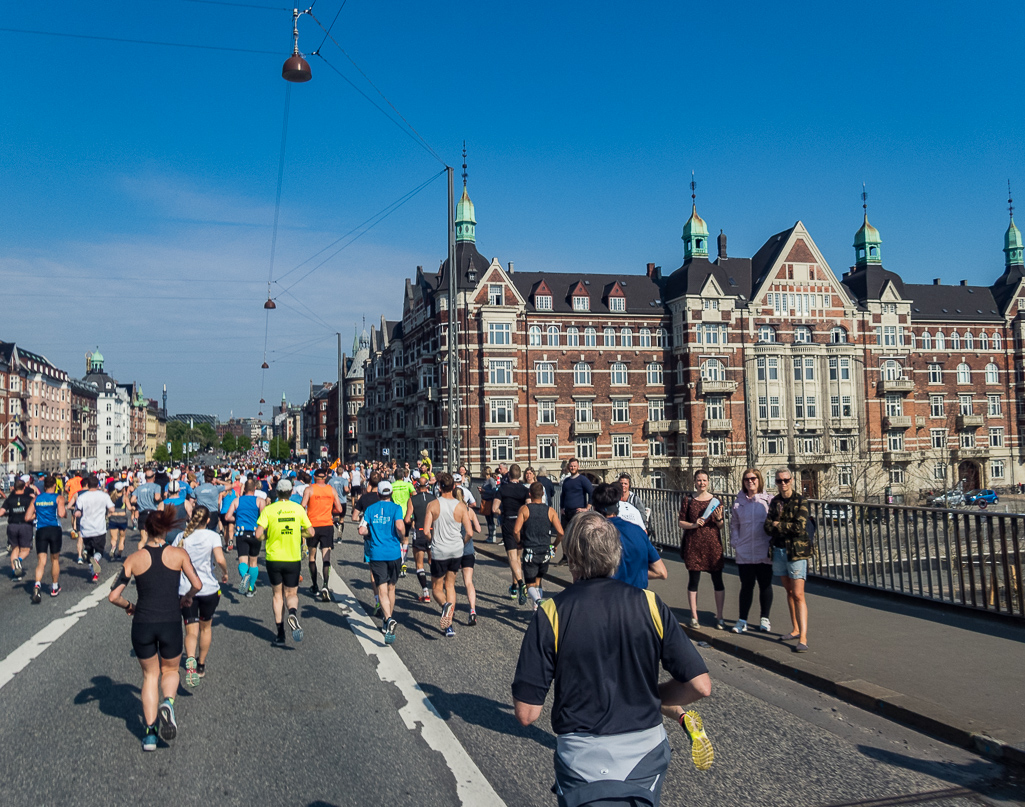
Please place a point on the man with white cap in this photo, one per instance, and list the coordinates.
(384, 528)
(284, 525)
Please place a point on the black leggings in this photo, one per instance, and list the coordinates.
(749, 573)
(717, 584)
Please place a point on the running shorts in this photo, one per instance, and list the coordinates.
(215, 519)
(202, 608)
(532, 571)
(117, 524)
(247, 544)
(385, 571)
(95, 543)
(356, 491)
(143, 518)
(467, 561)
(341, 515)
(150, 638)
(421, 543)
(509, 534)
(19, 535)
(284, 572)
(49, 540)
(440, 567)
(324, 537)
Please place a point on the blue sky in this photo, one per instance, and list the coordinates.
(139, 181)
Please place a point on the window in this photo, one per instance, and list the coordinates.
(838, 335)
(993, 408)
(581, 303)
(938, 438)
(969, 341)
(654, 373)
(620, 411)
(935, 373)
(891, 370)
(809, 445)
(964, 374)
(992, 374)
(799, 407)
(955, 341)
(936, 406)
(710, 304)
(895, 440)
(711, 334)
(619, 374)
(967, 439)
(713, 370)
(546, 412)
(573, 337)
(617, 304)
(500, 333)
(534, 336)
(983, 341)
(896, 476)
(583, 411)
(586, 448)
(846, 409)
(997, 342)
(590, 337)
(773, 368)
(940, 341)
(844, 475)
(802, 334)
(774, 406)
(996, 437)
(766, 333)
(808, 366)
(927, 341)
(715, 407)
(552, 335)
(657, 409)
(763, 407)
(496, 295)
(543, 302)
(609, 337)
(582, 374)
(660, 337)
(717, 447)
(502, 410)
(626, 337)
(500, 372)
(621, 445)
(774, 444)
(996, 469)
(894, 405)
(939, 471)
(656, 448)
(548, 448)
(645, 338)
(501, 449)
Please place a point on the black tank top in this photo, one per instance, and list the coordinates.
(157, 588)
(420, 502)
(536, 532)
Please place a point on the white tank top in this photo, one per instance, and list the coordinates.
(447, 538)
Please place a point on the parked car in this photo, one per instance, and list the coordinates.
(952, 498)
(838, 513)
(978, 497)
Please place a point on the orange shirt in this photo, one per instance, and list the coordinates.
(320, 506)
(74, 486)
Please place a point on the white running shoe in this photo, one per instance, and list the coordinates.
(765, 624)
(741, 626)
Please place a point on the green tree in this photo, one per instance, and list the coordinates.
(161, 454)
(279, 449)
(176, 430)
(229, 443)
(205, 436)
(244, 443)
(177, 450)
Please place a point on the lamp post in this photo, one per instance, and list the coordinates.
(453, 325)
(297, 70)
(341, 399)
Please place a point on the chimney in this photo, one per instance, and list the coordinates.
(964, 282)
(651, 270)
(936, 281)
(511, 269)
(722, 245)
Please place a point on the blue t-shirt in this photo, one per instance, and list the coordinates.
(46, 511)
(576, 492)
(638, 553)
(383, 542)
(247, 511)
(229, 497)
(207, 495)
(186, 490)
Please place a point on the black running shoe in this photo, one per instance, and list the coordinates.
(278, 641)
(521, 594)
(37, 596)
(473, 618)
(168, 726)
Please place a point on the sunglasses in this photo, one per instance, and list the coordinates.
(783, 481)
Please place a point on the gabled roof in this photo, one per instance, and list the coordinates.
(467, 257)
(867, 282)
(733, 276)
(642, 295)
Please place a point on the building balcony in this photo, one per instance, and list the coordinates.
(772, 424)
(586, 427)
(653, 427)
(678, 426)
(898, 421)
(897, 456)
(843, 423)
(717, 425)
(975, 452)
(895, 385)
(717, 387)
(920, 421)
(970, 421)
(808, 424)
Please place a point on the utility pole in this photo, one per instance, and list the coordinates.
(453, 326)
(341, 399)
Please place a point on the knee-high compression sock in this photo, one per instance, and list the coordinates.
(534, 593)
(254, 572)
(327, 571)
(243, 570)
(313, 570)
(421, 575)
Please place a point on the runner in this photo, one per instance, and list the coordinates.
(209, 495)
(448, 527)
(92, 507)
(384, 529)
(534, 526)
(47, 509)
(229, 496)
(321, 503)
(284, 525)
(156, 621)
(19, 530)
(146, 499)
(421, 543)
(73, 489)
(204, 548)
(242, 515)
(340, 482)
(356, 482)
(468, 561)
(118, 523)
(401, 491)
(511, 496)
(362, 505)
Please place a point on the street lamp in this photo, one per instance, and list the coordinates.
(296, 69)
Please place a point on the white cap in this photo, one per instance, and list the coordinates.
(176, 474)
(284, 484)
(384, 487)
(26, 478)
(119, 486)
(457, 477)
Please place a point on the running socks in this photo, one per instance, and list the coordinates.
(243, 569)
(254, 571)
(327, 571)
(313, 570)
(281, 630)
(534, 593)
(421, 575)
(405, 549)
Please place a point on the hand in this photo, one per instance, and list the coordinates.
(775, 525)
(700, 522)
(718, 514)
(224, 579)
(130, 609)
(186, 601)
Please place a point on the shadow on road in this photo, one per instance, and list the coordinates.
(970, 776)
(115, 700)
(245, 624)
(484, 712)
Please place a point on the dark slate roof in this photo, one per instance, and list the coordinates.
(1006, 284)
(953, 303)
(766, 256)
(642, 295)
(466, 256)
(100, 380)
(733, 276)
(395, 330)
(867, 282)
(6, 352)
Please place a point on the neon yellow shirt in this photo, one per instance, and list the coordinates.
(401, 491)
(283, 524)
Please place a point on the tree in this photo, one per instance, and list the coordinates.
(229, 443)
(279, 449)
(244, 443)
(176, 430)
(205, 436)
(161, 454)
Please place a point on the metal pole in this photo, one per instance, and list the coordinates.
(341, 399)
(453, 461)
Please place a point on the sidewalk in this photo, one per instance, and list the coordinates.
(948, 672)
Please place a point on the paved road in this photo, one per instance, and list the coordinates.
(337, 720)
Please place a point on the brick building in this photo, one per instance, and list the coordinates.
(82, 443)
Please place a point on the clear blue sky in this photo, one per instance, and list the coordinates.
(139, 181)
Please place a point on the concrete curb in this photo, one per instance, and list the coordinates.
(779, 658)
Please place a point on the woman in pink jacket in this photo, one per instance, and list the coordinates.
(751, 545)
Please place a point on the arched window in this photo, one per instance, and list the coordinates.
(955, 341)
(969, 341)
(713, 370)
(660, 337)
(573, 337)
(992, 374)
(590, 337)
(766, 333)
(802, 334)
(582, 373)
(927, 341)
(838, 335)
(940, 341)
(655, 372)
(609, 337)
(626, 337)
(553, 335)
(619, 374)
(983, 341)
(534, 336)
(997, 342)
(892, 370)
(964, 374)
(645, 338)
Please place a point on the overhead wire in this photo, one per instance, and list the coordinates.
(332, 25)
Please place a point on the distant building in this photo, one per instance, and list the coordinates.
(37, 402)
(82, 442)
(114, 415)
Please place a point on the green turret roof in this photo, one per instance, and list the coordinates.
(867, 244)
(465, 221)
(1013, 247)
(695, 224)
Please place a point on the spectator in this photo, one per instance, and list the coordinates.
(702, 547)
(628, 508)
(547, 484)
(787, 526)
(751, 545)
(639, 560)
(488, 491)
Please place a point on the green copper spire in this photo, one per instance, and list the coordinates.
(1013, 253)
(695, 231)
(867, 243)
(465, 222)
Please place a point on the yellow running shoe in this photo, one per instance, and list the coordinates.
(701, 747)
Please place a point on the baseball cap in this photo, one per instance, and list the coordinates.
(25, 478)
(119, 486)
(320, 472)
(284, 484)
(457, 477)
(384, 488)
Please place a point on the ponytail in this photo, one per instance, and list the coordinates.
(200, 516)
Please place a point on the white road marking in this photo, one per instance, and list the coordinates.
(24, 655)
(471, 785)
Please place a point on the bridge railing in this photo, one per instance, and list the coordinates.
(971, 558)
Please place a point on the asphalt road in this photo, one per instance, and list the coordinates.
(338, 719)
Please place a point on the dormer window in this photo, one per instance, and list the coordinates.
(617, 304)
(543, 302)
(496, 294)
(581, 303)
